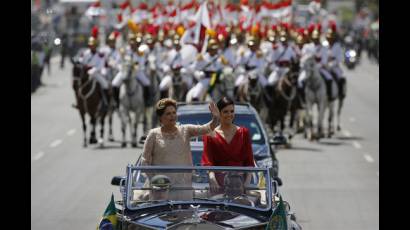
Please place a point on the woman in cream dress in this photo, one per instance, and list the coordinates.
(169, 144)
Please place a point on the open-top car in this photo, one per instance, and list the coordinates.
(180, 197)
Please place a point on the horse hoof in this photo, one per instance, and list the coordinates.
(93, 141)
(134, 145)
(111, 139)
(123, 144)
(339, 128)
(85, 145)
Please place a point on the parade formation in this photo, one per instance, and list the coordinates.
(139, 61)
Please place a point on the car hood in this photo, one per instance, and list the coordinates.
(208, 218)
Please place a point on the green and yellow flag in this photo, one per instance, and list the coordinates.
(278, 219)
(109, 219)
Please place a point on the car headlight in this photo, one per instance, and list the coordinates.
(352, 53)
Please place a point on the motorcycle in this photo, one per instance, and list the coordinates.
(350, 54)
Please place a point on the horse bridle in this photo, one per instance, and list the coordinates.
(286, 81)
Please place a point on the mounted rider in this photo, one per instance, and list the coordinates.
(94, 62)
(252, 60)
(112, 58)
(283, 58)
(207, 67)
(128, 52)
(335, 59)
(321, 54)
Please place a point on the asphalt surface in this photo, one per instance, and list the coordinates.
(331, 184)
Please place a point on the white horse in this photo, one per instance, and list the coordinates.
(315, 93)
(131, 104)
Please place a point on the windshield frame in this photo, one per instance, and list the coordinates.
(253, 118)
(131, 169)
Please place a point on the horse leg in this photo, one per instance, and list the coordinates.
(123, 128)
(101, 139)
(110, 133)
(84, 129)
(330, 120)
(93, 138)
(321, 110)
(134, 126)
(309, 120)
(339, 111)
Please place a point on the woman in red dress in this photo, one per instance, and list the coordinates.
(228, 145)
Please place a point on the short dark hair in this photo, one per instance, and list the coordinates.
(163, 104)
(223, 102)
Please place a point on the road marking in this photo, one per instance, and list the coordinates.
(70, 132)
(352, 119)
(55, 143)
(38, 155)
(357, 145)
(347, 133)
(368, 158)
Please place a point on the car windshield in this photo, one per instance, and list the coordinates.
(237, 186)
(247, 120)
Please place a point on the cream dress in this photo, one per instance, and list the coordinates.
(173, 149)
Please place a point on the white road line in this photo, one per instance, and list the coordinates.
(368, 158)
(352, 119)
(38, 155)
(55, 143)
(357, 145)
(70, 132)
(347, 133)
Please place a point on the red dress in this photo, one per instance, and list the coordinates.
(218, 152)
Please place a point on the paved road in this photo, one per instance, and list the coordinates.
(331, 185)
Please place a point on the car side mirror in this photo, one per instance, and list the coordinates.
(278, 140)
(278, 180)
(142, 139)
(118, 181)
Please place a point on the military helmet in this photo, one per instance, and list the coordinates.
(300, 39)
(283, 36)
(92, 41)
(252, 41)
(160, 182)
(149, 39)
(271, 35)
(212, 44)
(330, 34)
(176, 39)
(315, 34)
(111, 37)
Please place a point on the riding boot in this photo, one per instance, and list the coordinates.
(301, 92)
(146, 93)
(116, 96)
(329, 89)
(341, 85)
(163, 94)
(106, 96)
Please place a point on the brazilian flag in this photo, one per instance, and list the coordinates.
(109, 219)
(278, 219)
(213, 81)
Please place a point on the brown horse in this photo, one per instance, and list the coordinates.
(281, 97)
(88, 94)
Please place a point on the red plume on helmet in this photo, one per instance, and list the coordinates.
(94, 32)
(311, 28)
(332, 25)
(319, 27)
(116, 33)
